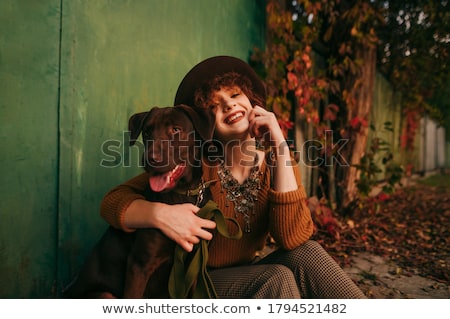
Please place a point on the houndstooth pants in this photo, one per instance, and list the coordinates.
(307, 271)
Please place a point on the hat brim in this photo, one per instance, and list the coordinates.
(209, 69)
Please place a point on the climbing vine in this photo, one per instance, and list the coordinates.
(353, 38)
(326, 98)
(287, 64)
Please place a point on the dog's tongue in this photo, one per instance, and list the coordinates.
(166, 181)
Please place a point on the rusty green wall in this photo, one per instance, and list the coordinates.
(63, 95)
(29, 73)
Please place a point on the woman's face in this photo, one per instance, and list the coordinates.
(231, 108)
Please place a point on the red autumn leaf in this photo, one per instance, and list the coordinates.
(292, 81)
(331, 112)
(354, 123)
(357, 123)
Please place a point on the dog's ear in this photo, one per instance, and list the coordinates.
(135, 124)
(203, 120)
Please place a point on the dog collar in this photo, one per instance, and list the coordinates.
(193, 192)
(199, 191)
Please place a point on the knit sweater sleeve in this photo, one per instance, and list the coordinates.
(290, 219)
(117, 200)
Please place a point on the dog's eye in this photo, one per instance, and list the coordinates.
(176, 129)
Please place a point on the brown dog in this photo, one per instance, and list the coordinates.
(138, 264)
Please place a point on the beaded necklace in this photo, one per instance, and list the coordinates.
(242, 195)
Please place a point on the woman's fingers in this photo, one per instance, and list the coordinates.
(188, 244)
(264, 125)
(186, 228)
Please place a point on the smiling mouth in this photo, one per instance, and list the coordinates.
(168, 180)
(234, 117)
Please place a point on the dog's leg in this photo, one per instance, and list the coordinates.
(149, 252)
(103, 272)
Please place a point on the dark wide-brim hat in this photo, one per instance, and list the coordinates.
(208, 69)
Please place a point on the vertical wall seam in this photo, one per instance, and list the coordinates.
(58, 279)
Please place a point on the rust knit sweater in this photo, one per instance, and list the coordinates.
(285, 215)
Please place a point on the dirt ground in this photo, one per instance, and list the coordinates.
(379, 278)
(396, 245)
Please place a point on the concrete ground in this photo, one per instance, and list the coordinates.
(381, 279)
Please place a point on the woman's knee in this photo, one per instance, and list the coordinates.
(310, 247)
(310, 251)
(278, 282)
(278, 272)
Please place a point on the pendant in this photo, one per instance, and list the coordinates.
(247, 228)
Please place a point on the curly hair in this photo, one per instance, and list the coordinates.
(202, 95)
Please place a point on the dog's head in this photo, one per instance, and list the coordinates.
(173, 139)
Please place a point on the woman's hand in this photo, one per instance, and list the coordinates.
(181, 223)
(263, 125)
(178, 222)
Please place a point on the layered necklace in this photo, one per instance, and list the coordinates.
(242, 195)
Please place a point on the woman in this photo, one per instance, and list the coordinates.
(261, 189)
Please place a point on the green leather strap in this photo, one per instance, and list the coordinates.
(189, 270)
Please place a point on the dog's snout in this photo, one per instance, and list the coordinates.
(158, 156)
(154, 160)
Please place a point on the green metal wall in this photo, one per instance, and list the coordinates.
(29, 60)
(71, 74)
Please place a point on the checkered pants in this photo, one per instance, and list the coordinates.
(307, 271)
